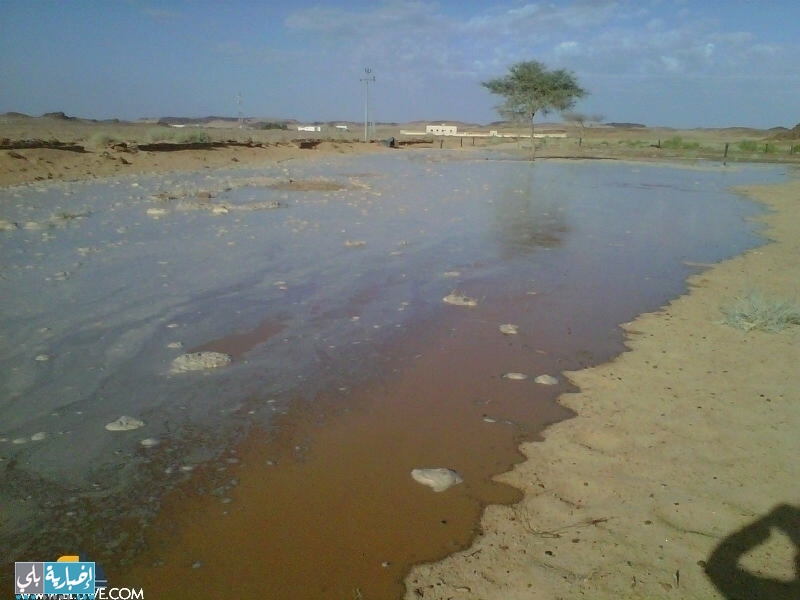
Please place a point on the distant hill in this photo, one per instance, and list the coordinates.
(60, 116)
(193, 120)
(788, 134)
(15, 115)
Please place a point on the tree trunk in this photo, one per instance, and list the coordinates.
(533, 142)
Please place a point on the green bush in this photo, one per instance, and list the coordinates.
(193, 137)
(748, 146)
(264, 125)
(756, 311)
(101, 139)
(161, 134)
(633, 143)
(677, 143)
(178, 135)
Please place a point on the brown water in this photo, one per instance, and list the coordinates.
(326, 508)
(290, 469)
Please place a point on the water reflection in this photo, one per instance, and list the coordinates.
(528, 214)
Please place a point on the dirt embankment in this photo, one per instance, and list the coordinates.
(59, 147)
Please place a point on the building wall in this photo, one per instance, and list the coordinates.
(441, 129)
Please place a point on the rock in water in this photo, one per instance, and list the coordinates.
(518, 376)
(459, 300)
(125, 423)
(546, 380)
(198, 361)
(438, 479)
(509, 329)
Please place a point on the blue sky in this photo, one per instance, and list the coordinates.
(692, 63)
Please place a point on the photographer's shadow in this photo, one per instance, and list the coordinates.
(736, 583)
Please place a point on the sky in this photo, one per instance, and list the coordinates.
(673, 63)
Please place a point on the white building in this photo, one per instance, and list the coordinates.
(441, 129)
(309, 128)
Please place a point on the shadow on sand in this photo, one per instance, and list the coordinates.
(736, 583)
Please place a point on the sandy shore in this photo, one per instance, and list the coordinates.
(675, 469)
(683, 446)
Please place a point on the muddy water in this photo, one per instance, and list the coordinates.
(348, 370)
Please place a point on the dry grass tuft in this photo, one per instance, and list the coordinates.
(755, 311)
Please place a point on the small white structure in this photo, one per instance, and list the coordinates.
(441, 129)
(309, 128)
(342, 127)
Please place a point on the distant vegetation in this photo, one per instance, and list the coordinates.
(677, 143)
(193, 120)
(103, 139)
(178, 136)
(264, 125)
(748, 146)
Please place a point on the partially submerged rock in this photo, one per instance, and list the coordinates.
(459, 300)
(125, 423)
(199, 361)
(546, 380)
(438, 479)
(518, 376)
(509, 329)
(156, 212)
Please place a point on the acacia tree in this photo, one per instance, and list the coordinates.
(530, 88)
(580, 120)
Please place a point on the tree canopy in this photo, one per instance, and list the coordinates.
(530, 88)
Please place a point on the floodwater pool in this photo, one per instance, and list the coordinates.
(318, 279)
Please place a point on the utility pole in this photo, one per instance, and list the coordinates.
(366, 79)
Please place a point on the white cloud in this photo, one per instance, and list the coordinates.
(570, 48)
(671, 64)
(419, 46)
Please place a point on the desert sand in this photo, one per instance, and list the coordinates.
(682, 457)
